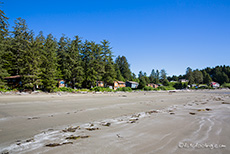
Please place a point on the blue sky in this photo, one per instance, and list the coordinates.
(152, 34)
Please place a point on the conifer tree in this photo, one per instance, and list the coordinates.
(89, 64)
(63, 58)
(109, 74)
(19, 46)
(123, 66)
(3, 47)
(75, 63)
(49, 65)
(118, 77)
(207, 79)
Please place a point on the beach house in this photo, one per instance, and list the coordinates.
(116, 84)
(183, 80)
(131, 84)
(152, 85)
(14, 81)
(61, 83)
(100, 84)
(215, 85)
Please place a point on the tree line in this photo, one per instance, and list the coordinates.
(41, 61)
(220, 74)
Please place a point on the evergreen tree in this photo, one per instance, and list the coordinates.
(3, 47)
(110, 73)
(189, 75)
(140, 74)
(174, 78)
(92, 61)
(221, 77)
(49, 65)
(75, 63)
(198, 76)
(123, 66)
(31, 71)
(152, 76)
(207, 79)
(26, 53)
(19, 46)
(142, 82)
(64, 58)
(119, 77)
(157, 77)
(163, 75)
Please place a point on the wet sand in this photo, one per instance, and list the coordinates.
(140, 122)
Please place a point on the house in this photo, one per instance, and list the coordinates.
(100, 84)
(159, 84)
(215, 85)
(61, 83)
(152, 85)
(14, 81)
(116, 84)
(183, 80)
(131, 84)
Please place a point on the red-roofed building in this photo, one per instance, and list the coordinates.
(14, 81)
(215, 85)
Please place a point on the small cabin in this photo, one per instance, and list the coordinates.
(14, 81)
(131, 84)
(215, 85)
(100, 84)
(153, 85)
(118, 84)
(61, 83)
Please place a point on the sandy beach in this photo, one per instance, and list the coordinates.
(138, 122)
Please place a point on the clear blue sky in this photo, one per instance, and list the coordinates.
(152, 34)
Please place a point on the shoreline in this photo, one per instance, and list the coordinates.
(103, 108)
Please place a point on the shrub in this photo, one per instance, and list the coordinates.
(148, 88)
(97, 89)
(226, 85)
(84, 90)
(64, 89)
(124, 89)
(3, 90)
(7, 90)
(165, 88)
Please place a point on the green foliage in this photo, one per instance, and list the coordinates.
(207, 78)
(128, 89)
(198, 76)
(3, 48)
(165, 88)
(142, 82)
(49, 65)
(189, 76)
(102, 89)
(146, 88)
(180, 85)
(63, 89)
(165, 82)
(123, 66)
(7, 90)
(226, 85)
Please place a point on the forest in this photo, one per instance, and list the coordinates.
(42, 60)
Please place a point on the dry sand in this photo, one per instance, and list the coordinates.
(138, 122)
